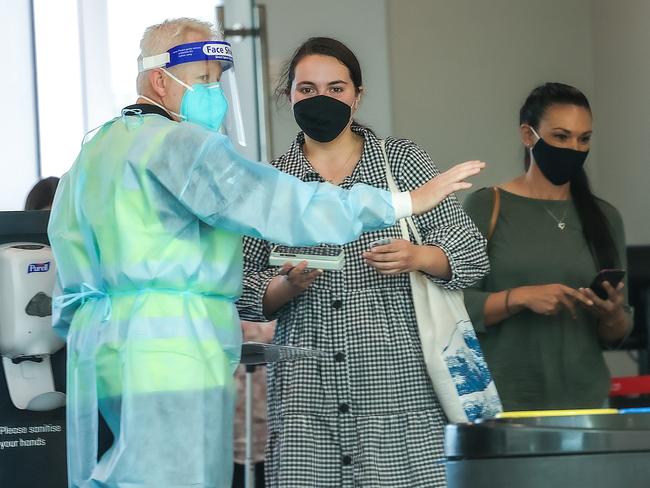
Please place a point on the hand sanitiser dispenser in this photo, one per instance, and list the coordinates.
(27, 276)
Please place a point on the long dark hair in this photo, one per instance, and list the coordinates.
(594, 223)
(325, 46)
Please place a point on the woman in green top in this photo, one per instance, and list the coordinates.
(540, 327)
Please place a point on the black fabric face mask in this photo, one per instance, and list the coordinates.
(321, 117)
(558, 164)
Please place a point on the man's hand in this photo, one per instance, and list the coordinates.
(436, 190)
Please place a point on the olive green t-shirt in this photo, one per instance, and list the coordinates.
(540, 362)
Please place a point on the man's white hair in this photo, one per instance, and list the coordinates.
(160, 38)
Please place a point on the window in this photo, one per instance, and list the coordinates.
(86, 65)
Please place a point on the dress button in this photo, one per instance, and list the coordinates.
(339, 357)
(344, 408)
(337, 304)
(347, 460)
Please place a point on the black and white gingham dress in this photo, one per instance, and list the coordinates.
(367, 415)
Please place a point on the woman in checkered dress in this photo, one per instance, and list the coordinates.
(366, 415)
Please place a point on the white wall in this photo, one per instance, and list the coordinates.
(361, 25)
(461, 69)
(18, 153)
(621, 42)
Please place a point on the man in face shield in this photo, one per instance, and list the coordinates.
(146, 232)
(186, 80)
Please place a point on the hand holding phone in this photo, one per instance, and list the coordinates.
(612, 276)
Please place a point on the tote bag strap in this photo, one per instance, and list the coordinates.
(392, 186)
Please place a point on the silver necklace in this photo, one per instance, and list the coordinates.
(560, 222)
(344, 168)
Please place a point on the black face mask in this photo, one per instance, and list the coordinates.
(558, 164)
(321, 117)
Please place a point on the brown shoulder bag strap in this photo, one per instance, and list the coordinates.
(495, 212)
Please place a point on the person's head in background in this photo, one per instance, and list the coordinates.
(40, 197)
(324, 85)
(560, 115)
(157, 84)
(556, 128)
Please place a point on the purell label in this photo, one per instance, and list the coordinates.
(38, 267)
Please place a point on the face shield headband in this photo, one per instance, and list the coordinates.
(188, 53)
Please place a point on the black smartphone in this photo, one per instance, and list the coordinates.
(612, 276)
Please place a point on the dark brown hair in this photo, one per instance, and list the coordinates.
(325, 46)
(42, 195)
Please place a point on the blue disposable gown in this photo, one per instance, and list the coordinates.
(146, 232)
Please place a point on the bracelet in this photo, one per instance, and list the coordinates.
(507, 297)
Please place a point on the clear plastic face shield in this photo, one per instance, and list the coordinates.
(213, 104)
